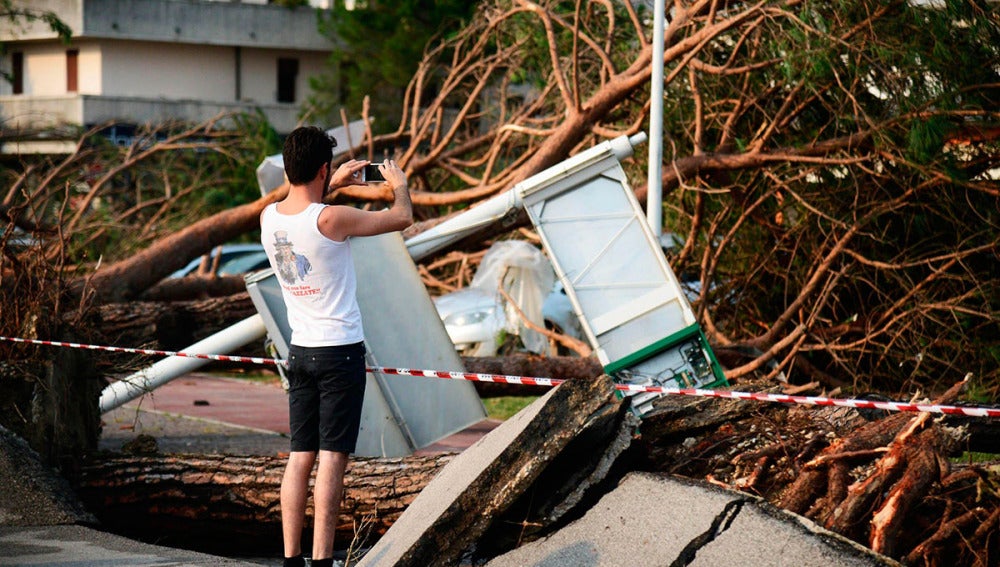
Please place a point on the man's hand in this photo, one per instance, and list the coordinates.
(341, 221)
(349, 173)
(392, 173)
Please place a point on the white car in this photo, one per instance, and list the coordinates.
(475, 318)
(479, 321)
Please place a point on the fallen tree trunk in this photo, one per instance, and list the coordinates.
(200, 500)
(556, 367)
(171, 325)
(884, 475)
(881, 481)
(195, 287)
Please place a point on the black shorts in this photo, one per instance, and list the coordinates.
(326, 387)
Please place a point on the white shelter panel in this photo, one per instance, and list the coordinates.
(608, 259)
(404, 330)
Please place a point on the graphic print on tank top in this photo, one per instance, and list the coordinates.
(292, 267)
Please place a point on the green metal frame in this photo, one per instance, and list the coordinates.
(665, 343)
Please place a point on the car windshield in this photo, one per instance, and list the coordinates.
(245, 263)
(229, 253)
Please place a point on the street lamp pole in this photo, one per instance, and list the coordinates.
(654, 180)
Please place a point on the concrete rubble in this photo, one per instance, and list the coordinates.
(656, 520)
(551, 486)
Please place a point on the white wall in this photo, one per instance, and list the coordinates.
(45, 70)
(181, 71)
(143, 81)
(89, 68)
(260, 73)
(168, 70)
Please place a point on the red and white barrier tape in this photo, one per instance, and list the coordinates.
(222, 357)
(532, 381)
(781, 398)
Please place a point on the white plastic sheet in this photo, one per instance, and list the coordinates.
(527, 277)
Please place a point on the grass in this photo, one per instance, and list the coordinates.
(504, 407)
(971, 457)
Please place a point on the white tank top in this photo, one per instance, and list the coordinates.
(317, 278)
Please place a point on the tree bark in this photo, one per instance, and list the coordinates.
(556, 367)
(801, 494)
(171, 325)
(185, 498)
(925, 466)
(195, 287)
(126, 279)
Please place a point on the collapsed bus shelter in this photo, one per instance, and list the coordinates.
(629, 302)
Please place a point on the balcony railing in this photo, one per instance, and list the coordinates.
(37, 113)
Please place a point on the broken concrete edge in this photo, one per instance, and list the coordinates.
(808, 526)
(33, 494)
(476, 487)
(577, 477)
(556, 434)
(661, 519)
(80, 545)
(620, 441)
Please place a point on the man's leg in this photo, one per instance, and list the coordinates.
(328, 493)
(294, 494)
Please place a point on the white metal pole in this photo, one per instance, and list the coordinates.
(496, 208)
(465, 224)
(144, 381)
(654, 193)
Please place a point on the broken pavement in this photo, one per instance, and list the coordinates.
(651, 519)
(559, 471)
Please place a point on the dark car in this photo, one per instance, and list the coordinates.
(235, 259)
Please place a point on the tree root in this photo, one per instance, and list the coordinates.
(887, 483)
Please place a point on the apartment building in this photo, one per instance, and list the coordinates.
(138, 61)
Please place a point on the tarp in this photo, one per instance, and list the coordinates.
(527, 277)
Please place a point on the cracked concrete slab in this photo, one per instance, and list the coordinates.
(572, 480)
(456, 508)
(659, 520)
(549, 469)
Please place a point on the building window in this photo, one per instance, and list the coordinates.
(17, 72)
(288, 72)
(239, 73)
(72, 70)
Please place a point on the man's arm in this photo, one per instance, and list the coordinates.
(340, 222)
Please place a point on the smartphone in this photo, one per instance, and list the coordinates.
(371, 173)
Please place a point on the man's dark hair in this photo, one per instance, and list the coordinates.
(306, 149)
